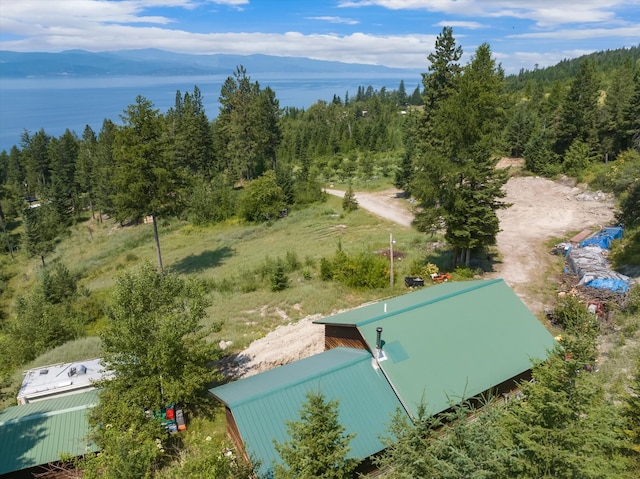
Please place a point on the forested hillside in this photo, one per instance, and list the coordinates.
(252, 164)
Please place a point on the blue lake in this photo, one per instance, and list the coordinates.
(59, 103)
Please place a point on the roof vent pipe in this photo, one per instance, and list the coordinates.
(379, 338)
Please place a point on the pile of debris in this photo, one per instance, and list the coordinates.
(589, 261)
(569, 283)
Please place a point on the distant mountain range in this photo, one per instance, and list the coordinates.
(152, 62)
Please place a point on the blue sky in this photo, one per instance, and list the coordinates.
(396, 33)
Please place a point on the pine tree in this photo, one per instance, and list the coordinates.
(144, 178)
(85, 165)
(103, 177)
(455, 179)
(444, 70)
(580, 106)
(318, 446)
(247, 128)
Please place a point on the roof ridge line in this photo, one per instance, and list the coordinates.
(306, 378)
(482, 284)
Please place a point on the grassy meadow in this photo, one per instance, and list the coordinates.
(231, 259)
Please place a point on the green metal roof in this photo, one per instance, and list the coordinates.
(451, 340)
(262, 404)
(38, 433)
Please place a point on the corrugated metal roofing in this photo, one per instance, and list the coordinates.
(451, 341)
(37, 433)
(262, 404)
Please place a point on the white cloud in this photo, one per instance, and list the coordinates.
(631, 32)
(346, 21)
(543, 13)
(461, 24)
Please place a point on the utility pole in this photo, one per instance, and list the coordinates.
(391, 257)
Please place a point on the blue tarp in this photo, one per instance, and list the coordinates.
(612, 284)
(603, 238)
(590, 263)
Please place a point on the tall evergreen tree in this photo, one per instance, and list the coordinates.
(455, 179)
(632, 115)
(143, 178)
(35, 159)
(579, 109)
(63, 154)
(247, 126)
(191, 133)
(103, 177)
(41, 228)
(611, 123)
(85, 167)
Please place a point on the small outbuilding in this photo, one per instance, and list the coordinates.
(435, 346)
(38, 433)
(60, 379)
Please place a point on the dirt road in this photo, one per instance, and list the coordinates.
(541, 209)
(389, 204)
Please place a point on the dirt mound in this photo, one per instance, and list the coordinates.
(287, 343)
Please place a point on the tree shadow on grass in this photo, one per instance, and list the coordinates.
(199, 262)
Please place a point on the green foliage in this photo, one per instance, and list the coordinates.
(279, 279)
(59, 284)
(629, 213)
(41, 229)
(563, 427)
(349, 202)
(455, 178)
(318, 446)
(626, 251)
(52, 314)
(155, 347)
(632, 412)
(447, 446)
(573, 316)
(38, 326)
(207, 459)
(210, 201)
(154, 343)
(262, 199)
(363, 270)
(143, 176)
(246, 132)
(422, 268)
(539, 156)
(131, 447)
(408, 445)
(577, 158)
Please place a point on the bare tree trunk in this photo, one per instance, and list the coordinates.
(157, 238)
(467, 258)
